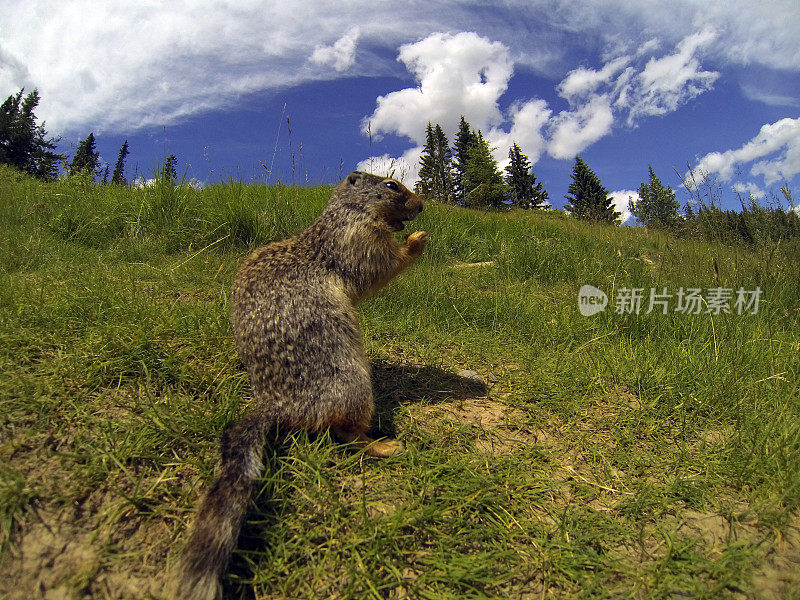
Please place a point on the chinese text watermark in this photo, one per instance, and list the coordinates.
(687, 301)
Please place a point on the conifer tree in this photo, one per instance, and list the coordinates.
(482, 181)
(657, 206)
(86, 159)
(523, 190)
(589, 199)
(118, 177)
(23, 143)
(435, 173)
(443, 175)
(427, 165)
(464, 139)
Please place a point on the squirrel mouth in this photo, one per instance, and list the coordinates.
(399, 223)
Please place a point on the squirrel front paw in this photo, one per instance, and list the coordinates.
(416, 242)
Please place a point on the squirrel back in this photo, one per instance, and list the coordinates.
(297, 333)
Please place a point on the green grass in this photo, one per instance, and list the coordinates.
(614, 456)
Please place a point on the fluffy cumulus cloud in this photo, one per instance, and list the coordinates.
(462, 74)
(341, 55)
(467, 74)
(404, 168)
(527, 121)
(773, 154)
(640, 89)
(573, 131)
(621, 199)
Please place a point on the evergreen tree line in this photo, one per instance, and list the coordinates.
(25, 145)
(658, 208)
(467, 174)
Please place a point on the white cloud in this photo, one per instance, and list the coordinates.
(649, 47)
(770, 98)
(777, 144)
(621, 199)
(112, 66)
(749, 33)
(341, 55)
(749, 189)
(527, 122)
(582, 81)
(132, 64)
(667, 82)
(573, 131)
(466, 74)
(462, 74)
(404, 168)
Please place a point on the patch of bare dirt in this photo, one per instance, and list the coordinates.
(502, 427)
(73, 541)
(69, 553)
(778, 578)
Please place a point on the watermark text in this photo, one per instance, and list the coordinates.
(687, 301)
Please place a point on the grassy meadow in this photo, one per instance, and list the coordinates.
(611, 456)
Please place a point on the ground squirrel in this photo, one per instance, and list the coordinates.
(297, 332)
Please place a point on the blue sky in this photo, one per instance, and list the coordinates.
(711, 86)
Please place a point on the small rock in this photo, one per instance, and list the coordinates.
(472, 376)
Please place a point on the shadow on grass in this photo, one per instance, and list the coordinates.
(394, 384)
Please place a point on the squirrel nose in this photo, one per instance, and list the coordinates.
(414, 202)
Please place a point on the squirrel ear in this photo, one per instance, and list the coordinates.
(353, 178)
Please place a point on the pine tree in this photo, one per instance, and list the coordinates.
(589, 200)
(443, 175)
(118, 176)
(657, 206)
(464, 139)
(86, 159)
(168, 173)
(435, 173)
(427, 168)
(23, 143)
(523, 190)
(482, 181)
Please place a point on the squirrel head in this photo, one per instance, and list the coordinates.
(383, 198)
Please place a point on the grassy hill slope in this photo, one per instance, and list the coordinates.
(617, 455)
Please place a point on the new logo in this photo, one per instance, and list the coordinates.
(591, 300)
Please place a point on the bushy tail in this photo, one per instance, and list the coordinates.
(219, 518)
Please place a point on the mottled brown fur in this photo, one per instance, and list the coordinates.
(297, 332)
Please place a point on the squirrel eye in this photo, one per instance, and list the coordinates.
(392, 185)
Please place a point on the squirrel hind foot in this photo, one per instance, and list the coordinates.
(385, 448)
(378, 449)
